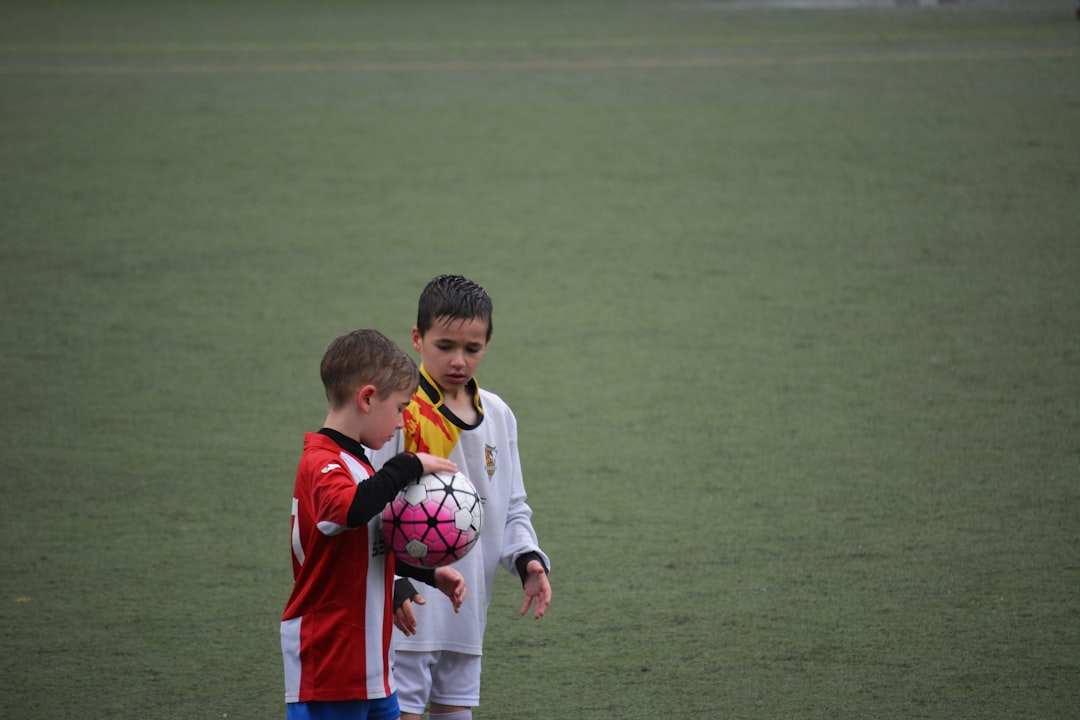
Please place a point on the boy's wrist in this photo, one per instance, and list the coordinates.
(403, 590)
(521, 562)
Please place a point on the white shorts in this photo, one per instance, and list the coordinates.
(444, 677)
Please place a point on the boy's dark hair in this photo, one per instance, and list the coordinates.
(454, 298)
(366, 357)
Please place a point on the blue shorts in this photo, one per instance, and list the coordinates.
(382, 709)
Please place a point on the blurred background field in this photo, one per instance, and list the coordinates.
(787, 303)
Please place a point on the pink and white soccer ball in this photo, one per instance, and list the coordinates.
(434, 521)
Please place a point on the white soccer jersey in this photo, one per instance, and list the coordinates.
(488, 455)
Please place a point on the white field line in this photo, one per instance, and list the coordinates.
(884, 57)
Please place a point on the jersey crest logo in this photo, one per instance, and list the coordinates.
(490, 453)
(328, 468)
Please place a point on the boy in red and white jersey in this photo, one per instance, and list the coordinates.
(336, 629)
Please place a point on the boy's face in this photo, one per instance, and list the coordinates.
(451, 350)
(386, 417)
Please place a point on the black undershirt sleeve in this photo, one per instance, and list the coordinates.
(424, 575)
(405, 590)
(373, 494)
(522, 563)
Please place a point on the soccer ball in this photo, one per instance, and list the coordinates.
(434, 521)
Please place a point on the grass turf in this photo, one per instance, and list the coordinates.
(786, 303)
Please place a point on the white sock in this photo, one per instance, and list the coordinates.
(459, 715)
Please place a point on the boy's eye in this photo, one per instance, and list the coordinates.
(470, 349)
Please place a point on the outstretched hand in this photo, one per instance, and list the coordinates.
(537, 588)
(448, 581)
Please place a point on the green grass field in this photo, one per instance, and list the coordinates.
(787, 304)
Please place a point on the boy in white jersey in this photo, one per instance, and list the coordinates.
(437, 653)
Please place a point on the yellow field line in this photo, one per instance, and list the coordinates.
(544, 64)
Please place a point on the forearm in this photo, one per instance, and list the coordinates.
(373, 494)
(424, 575)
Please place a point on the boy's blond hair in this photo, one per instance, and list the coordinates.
(365, 357)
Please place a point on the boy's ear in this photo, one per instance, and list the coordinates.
(364, 396)
(417, 338)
